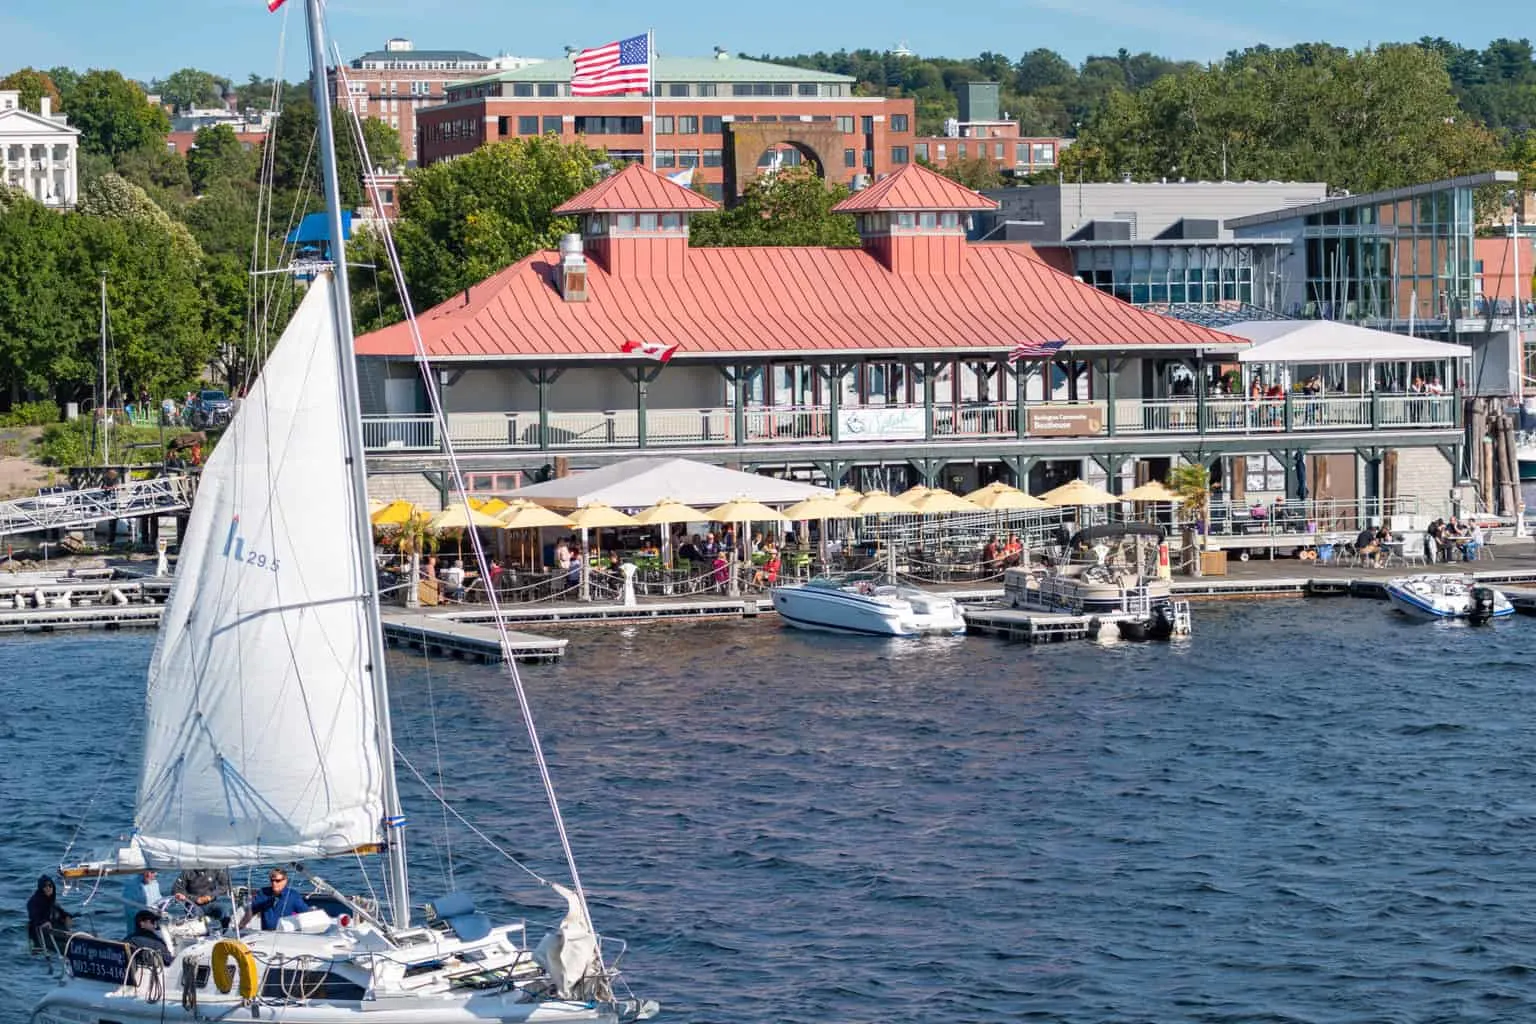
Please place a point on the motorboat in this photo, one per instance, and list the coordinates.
(867, 608)
(1448, 596)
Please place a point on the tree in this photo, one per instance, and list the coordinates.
(383, 144)
(975, 172)
(1191, 481)
(218, 155)
(64, 79)
(113, 115)
(791, 207)
(33, 86)
(112, 197)
(190, 88)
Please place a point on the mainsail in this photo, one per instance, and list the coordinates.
(260, 741)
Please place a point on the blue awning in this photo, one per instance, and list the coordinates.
(314, 228)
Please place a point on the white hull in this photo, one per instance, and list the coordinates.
(870, 611)
(1446, 597)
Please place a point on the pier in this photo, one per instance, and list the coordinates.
(440, 635)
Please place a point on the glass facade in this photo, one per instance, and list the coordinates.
(1156, 274)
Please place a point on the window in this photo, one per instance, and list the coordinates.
(922, 150)
(869, 159)
(850, 158)
(899, 154)
(806, 89)
(687, 158)
(647, 222)
(950, 219)
(666, 158)
(715, 190)
(1043, 152)
(741, 89)
(503, 124)
(624, 222)
(898, 122)
(713, 158)
(610, 126)
(527, 124)
(549, 88)
(522, 88)
(706, 89)
(928, 220)
(867, 124)
(671, 221)
(387, 196)
(688, 124)
(906, 220)
(713, 125)
(997, 151)
(664, 125)
(677, 89)
(845, 125)
(942, 155)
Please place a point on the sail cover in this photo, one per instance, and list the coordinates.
(260, 741)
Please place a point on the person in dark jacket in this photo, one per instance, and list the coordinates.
(45, 918)
(276, 902)
(199, 890)
(146, 935)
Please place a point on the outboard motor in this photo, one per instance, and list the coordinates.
(1482, 604)
(1161, 625)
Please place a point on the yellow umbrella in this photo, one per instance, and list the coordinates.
(1079, 494)
(1151, 491)
(669, 510)
(741, 510)
(493, 507)
(938, 501)
(819, 508)
(598, 515)
(374, 504)
(394, 514)
(523, 514)
(913, 493)
(1001, 497)
(846, 495)
(878, 503)
(459, 518)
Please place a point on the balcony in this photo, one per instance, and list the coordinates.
(789, 426)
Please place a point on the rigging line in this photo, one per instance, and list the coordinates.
(261, 243)
(481, 562)
(449, 809)
(101, 782)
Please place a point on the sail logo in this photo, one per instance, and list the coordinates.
(235, 549)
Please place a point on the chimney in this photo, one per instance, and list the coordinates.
(573, 269)
(46, 106)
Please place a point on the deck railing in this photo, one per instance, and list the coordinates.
(790, 425)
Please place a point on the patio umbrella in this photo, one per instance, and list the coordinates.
(523, 514)
(821, 509)
(846, 495)
(913, 493)
(1079, 495)
(1001, 497)
(594, 517)
(938, 501)
(459, 518)
(493, 507)
(878, 503)
(743, 510)
(394, 514)
(668, 510)
(1151, 491)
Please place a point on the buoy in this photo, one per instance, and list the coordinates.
(226, 950)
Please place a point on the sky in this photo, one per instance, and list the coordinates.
(150, 38)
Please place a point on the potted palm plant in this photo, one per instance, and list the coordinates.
(1192, 483)
(412, 540)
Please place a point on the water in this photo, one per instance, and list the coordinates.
(1308, 812)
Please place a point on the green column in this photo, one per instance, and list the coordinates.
(927, 370)
(642, 385)
(1200, 393)
(738, 397)
(834, 398)
(1109, 397)
(1020, 391)
(543, 385)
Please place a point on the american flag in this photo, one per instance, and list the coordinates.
(1033, 350)
(624, 66)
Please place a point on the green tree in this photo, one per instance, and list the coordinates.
(112, 197)
(190, 88)
(217, 154)
(792, 207)
(64, 79)
(383, 144)
(113, 115)
(33, 86)
(976, 172)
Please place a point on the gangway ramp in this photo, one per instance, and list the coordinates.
(81, 509)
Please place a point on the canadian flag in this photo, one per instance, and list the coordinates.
(273, 5)
(650, 349)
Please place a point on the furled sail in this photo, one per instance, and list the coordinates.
(260, 740)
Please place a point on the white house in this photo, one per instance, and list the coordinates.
(38, 152)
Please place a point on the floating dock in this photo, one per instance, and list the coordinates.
(1040, 627)
(438, 635)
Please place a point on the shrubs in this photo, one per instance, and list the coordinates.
(30, 414)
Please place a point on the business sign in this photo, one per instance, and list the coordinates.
(98, 960)
(1064, 421)
(902, 423)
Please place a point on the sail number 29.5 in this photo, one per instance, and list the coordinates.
(234, 548)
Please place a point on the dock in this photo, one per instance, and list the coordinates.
(1039, 627)
(449, 635)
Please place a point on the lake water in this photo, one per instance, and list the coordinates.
(1309, 811)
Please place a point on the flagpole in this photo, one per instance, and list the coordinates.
(650, 76)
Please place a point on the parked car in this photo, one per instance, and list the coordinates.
(209, 409)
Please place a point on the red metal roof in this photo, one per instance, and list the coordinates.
(635, 189)
(763, 300)
(915, 187)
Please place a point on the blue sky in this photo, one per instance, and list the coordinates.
(148, 38)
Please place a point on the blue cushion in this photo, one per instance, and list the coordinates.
(470, 927)
(453, 905)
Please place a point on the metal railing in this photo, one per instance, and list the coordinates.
(74, 509)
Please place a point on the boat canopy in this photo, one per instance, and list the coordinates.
(1117, 531)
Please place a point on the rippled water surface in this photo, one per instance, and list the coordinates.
(1308, 812)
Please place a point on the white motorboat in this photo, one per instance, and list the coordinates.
(1448, 596)
(267, 741)
(867, 608)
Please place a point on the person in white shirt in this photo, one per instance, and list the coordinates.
(1473, 543)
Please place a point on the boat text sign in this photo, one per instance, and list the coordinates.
(898, 424)
(1064, 421)
(98, 960)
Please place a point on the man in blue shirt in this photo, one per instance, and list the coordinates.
(276, 902)
(140, 892)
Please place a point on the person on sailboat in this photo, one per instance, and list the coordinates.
(146, 935)
(276, 902)
(45, 918)
(140, 892)
(199, 889)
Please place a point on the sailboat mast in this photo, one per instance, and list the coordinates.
(357, 468)
(103, 407)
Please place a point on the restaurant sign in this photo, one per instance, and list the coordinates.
(903, 423)
(1064, 421)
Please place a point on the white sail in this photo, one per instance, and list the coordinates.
(260, 738)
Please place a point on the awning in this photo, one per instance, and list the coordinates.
(638, 483)
(1329, 341)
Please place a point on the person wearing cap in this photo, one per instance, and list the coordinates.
(146, 935)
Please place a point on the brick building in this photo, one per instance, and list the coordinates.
(392, 84)
(726, 116)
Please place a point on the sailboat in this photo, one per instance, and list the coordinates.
(267, 741)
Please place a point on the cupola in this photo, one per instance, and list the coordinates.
(914, 221)
(635, 223)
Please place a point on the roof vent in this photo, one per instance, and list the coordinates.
(573, 269)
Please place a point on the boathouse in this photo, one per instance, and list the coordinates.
(917, 357)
